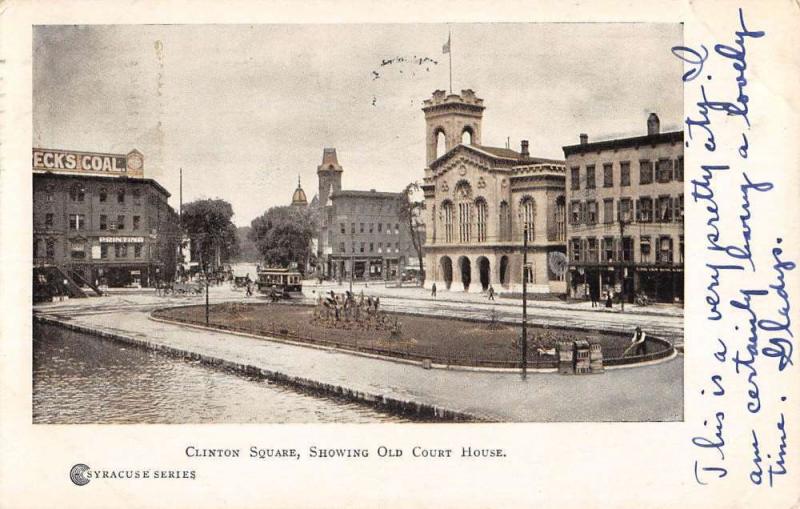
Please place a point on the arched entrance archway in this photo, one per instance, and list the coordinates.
(465, 266)
(504, 271)
(446, 266)
(483, 270)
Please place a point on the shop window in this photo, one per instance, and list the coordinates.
(664, 171)
(665, 249)
(608, 249)
(121, 196)
(103, 222)
(77, 222)
(50, 248)
(608, 210)
(103, 194)
(120, 222)
(645, 210)
(575, 212)
(664, 209)
(591, 212)
(608, 175)
(625, 173)
(104, 251)
(645, 172)
(575, 249)
(48, 220)
(644, 248)
(575, 178)
(77, 250)
(137, 250)
(591, 249)
(120, 250)
(591, 181)
(137, 222)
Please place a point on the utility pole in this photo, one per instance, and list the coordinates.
(525, 302)
(352, 258)
(622, 224)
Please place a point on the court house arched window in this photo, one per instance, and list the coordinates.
(463, 193)
(505, 221)
(480, 216)
(527, 216)
(447, 220)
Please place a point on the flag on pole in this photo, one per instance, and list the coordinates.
(446, 47)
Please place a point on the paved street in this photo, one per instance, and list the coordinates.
(631, 394)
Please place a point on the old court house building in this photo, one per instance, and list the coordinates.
(361, 233)
(625, 231)
(479, 202)
(97, 218)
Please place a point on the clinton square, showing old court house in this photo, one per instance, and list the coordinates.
(480, 202)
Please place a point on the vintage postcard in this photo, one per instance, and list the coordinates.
(338, 248)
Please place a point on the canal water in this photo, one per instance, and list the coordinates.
(83, 379)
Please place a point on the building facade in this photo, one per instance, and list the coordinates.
(481, 201)
(97, 218)
(625, 216)
(360, 232)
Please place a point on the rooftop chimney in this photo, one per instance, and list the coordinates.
(524, 149)
(653, 124)
(584, 138)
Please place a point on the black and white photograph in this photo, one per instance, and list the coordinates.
(357, 223)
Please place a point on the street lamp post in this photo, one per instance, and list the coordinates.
(352, 258)
(525, 302)
(623, 222)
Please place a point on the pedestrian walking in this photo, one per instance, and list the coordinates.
(433, 290)
(594, 294)
(609, 296)
(491, 292)
(249, 289)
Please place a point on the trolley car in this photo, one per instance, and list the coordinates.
(279, 282)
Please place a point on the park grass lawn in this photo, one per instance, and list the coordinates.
(441, 339)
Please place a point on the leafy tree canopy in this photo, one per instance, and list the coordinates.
(283, 236)
(208, 223)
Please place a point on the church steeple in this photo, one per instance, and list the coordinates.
(329, 174)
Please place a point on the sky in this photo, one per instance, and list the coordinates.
(246, 109)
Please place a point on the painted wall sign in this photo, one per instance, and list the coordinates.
(131, 163)
(122, 240)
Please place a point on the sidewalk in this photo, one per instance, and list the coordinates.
(647, 393)
(421, 294)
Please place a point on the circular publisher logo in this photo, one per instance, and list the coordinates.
(78, 474)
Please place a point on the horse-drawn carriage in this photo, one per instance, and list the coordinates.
(180, 288)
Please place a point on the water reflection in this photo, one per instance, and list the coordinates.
(81, 379)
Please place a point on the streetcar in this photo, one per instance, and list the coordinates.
(279, 283)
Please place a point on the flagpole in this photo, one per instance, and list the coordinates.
(450, 54)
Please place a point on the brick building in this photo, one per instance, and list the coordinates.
(360, 232)
(625, 215)
(97, 218)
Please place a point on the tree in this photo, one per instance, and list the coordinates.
(283, 236)
(208, 224)
(410, 211)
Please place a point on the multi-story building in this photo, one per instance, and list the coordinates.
(625, 215)
(480, 201)
(97, 218)
(361, 232)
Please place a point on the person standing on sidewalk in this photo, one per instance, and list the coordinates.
(433, 290)
(491, 292)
